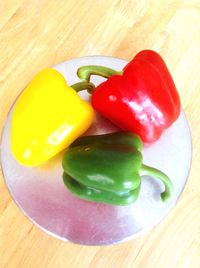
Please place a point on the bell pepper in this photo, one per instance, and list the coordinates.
(47, 117)
(142, 98)
(107, 168)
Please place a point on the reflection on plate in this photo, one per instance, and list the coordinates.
(42, 196)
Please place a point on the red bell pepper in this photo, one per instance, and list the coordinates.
(141, 99)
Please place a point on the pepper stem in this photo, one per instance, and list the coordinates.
(153, 172)
(82, 86)
(85, 72)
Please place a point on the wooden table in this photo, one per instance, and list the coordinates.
(39, 33)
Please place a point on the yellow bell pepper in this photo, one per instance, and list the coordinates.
(48, 116)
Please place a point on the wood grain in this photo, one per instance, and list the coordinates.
(39, 33)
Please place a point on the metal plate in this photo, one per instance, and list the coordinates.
(42, 196)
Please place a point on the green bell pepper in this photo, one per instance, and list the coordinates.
(108, 168)
(101, 196)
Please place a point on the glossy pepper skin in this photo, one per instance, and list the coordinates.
(142, 98)
(47, 117)
(98, 195)
(108, 168)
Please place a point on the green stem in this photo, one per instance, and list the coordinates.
(153, 172)
(85, 72)
(83, 85)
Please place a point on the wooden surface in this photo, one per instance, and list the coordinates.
(39, 33)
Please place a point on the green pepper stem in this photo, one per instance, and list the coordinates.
(82, 86)
(85, 72)
(153, 172)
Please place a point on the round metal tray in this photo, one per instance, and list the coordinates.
(42, 196)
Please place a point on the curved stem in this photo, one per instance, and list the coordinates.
(153, 172)
(85, 72)
(82, 86)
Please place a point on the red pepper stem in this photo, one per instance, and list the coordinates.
(82, 86)
(153, 172)
(85, 72)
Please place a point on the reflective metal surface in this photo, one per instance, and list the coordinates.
(42, 196)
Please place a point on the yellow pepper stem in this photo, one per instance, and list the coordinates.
(82, 86)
